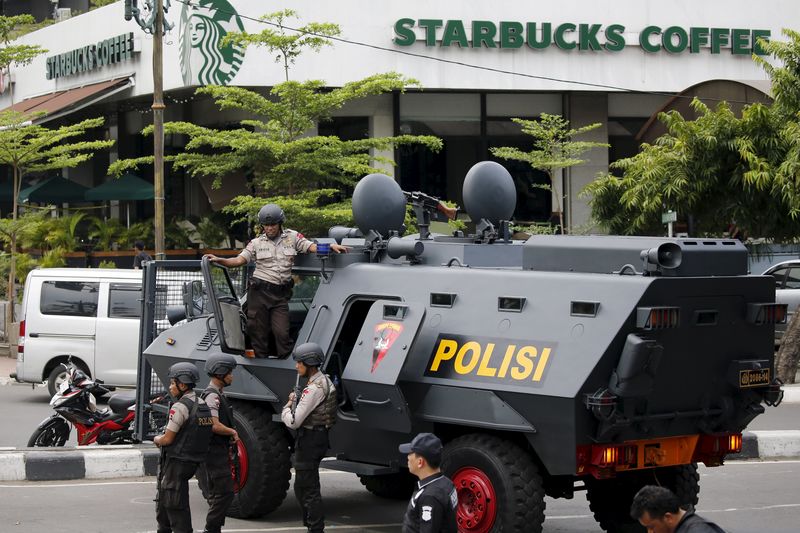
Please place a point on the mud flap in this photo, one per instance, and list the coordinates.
(374, 366)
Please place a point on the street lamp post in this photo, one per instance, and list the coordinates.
(151, 19)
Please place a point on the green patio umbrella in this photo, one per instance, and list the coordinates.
(127, 187)
(55, 190)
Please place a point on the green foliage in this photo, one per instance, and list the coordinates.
(536, 229)
(107, 264)
(553, 149)
(718, 169)
(211, 233)
(63, 232)
(288, 44)
(54, 258)
(106, 232)
(16, 54)
(140, 231)
(176, 237)
(100, 3)
(25, 227)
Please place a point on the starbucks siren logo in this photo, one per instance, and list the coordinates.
(202, 27)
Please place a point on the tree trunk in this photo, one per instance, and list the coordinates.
(12, 264)
(789, 352)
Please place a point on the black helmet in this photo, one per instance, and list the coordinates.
(185, 373)
(309, 353)
(220, 364)
(271, 214)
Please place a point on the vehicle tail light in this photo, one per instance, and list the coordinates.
(760, 314)
(21, 341)
(650, 318)
(712, 449)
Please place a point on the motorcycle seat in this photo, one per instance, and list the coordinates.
(120, 401)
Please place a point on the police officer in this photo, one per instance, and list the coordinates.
(184, 445)
(433, 504)
(270, 289)
(312, 417)
(214, 476)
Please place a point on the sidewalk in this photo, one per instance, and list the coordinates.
(105, 462)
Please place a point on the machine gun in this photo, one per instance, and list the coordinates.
(427, 208)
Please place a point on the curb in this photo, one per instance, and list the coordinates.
(776, 444)
(95, 462)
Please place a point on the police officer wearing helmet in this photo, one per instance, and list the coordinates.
(314, 414)
(214, 476)
(184, 445)
(273, 253)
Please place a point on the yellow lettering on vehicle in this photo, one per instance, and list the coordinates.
(447, 349)
(490, 359)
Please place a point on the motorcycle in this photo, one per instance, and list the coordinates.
(75, 404)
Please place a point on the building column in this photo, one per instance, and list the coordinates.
(583, 109)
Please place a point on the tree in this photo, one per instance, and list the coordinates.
(28, 147)
(275, 148)
(553, 150)
(12, 55)
(718, 169)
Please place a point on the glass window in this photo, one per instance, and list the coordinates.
(443, 115)
(70, 298)
(124, 301)
(793, 279)
(346, 128)
(779, 274)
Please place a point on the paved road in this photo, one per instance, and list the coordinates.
(768, 505)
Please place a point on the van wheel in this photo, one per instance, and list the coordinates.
(499, 486)
(59, 375)
(264, 462)
(610, 499)
(398, 486)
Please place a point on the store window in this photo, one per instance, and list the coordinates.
(346, 128)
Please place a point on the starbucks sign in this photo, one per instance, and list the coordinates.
(580, 37)
(91, 57)
(204, 60)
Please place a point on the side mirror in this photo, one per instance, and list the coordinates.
(194, 298)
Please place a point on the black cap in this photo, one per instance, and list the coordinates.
(427, 445)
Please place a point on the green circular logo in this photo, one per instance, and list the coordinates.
(202, 27)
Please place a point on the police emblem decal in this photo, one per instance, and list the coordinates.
(427, 510)
(385, 335)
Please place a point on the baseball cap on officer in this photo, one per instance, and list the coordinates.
(309, 353)
(184, 372)
(271, 214)
(220, 364)
(427, 445)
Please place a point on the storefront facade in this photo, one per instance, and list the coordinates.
(478, 63)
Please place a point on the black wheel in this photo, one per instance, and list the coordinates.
(499, 486)
(53, 432)
(397, 486)
(57, 376)
(610, 499)
(264, 462)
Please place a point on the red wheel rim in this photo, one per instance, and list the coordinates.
(477, 504)
(243, 465)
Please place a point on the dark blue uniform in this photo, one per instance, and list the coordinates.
(432, 507)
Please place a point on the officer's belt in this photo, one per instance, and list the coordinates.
(271, 287)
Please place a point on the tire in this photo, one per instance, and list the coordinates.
(53, 432)
(56, 377)
(610, 499)
(397, 486)
(265, 462)
(499, 486)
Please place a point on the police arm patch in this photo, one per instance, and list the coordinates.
(427, 513)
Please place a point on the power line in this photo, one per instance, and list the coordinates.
(465, 64)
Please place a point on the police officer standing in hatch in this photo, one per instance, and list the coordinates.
(214, 476)
(312, 416)
(184, 445)
(432, 508)
(270, 289)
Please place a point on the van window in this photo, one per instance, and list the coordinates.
(71, 298)
(124, 300)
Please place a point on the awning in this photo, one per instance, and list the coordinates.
(60, 103)
(126, 187)
(54, 190)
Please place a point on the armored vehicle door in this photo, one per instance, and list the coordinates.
(227, 309)
(370, 377)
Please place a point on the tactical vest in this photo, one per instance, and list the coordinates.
(191, 442)
(325, 413)
(225, 418)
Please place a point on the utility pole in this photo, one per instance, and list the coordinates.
(151, 19)
(158, 127)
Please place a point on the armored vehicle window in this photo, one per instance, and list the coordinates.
(70, 298)
(584, 308)
(793, 279)
(124, 300)
(442, 299)
(305, 288)
(512, 304)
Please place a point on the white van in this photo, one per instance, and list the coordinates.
(89, 314)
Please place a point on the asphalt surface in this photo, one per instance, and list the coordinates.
(742, 497)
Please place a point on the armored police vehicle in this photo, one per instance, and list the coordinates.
(546, 366)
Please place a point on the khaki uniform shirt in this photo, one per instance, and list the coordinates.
(274, 258)
(212, 400)
(313, 395)
(178, 413)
